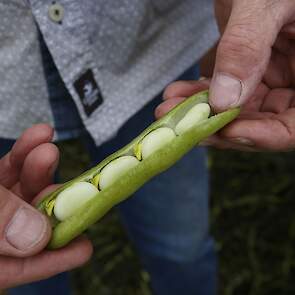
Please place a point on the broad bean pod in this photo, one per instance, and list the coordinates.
(81, 202)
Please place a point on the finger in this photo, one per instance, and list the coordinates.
(16, 189)
(255, 102)
(49, 189)
(219, 142)
(15, 271)
(278, 73)
(278, 101)
(214, 141)
(23, 230)
(274, 133)
(285, 45)
(207, 62)
(244, 51)
(289, 30)
(166, 106)
(185, 88)
(10, 165)
(38, 170)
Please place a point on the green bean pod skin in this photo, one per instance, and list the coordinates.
(133, 179)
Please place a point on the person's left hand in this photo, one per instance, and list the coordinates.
(266, 123)
(26, 173)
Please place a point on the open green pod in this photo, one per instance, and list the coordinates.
(118, 176)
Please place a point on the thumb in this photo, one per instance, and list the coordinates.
(23, 230)
(244, 50)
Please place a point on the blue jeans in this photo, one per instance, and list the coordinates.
(167, 219)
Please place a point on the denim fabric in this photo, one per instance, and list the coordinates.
(57, 285)
(167, 219)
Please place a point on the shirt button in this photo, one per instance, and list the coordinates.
(56, 12)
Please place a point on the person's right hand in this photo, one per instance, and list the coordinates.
(257, 46)
(26, 172)
(255, 69)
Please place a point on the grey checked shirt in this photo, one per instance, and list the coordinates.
(113, 56)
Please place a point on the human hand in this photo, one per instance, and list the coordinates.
(256, 49)
(255, 68)
(26, 172)
(266, 123)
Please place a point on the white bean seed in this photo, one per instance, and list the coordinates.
(194, 116)
(72, 198)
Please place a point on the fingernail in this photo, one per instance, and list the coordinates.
(242, 141)
(225, 92)
(26, 229)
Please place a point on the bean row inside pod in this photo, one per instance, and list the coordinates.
(69, 200)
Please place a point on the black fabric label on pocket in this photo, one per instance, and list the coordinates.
(88, 92)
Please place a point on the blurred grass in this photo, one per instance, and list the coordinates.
(252, 220)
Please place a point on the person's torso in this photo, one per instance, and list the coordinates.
(113, 56)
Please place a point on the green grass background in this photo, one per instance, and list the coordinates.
(252, 219)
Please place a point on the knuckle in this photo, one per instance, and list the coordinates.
(240, 43)
(170, 89)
